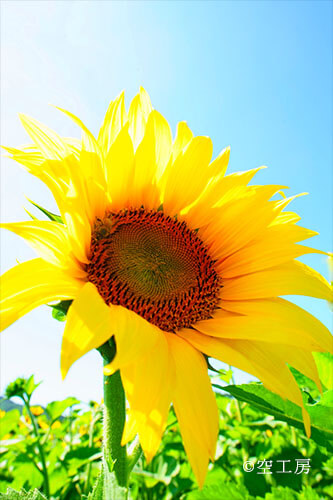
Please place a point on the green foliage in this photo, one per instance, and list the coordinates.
(258, 426)
(22, 495)
(57, 408)
(320, 413)
(21, 387)
(49, 215)
(59, 311)
(106, 487)
(324, 362)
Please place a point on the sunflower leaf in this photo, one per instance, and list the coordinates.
(59, 311)
(56, 408)
(218, 491)
(106, 486)
(49, 215)
(22, 495)
(324, 362)
(258, 396)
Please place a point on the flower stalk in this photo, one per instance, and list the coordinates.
(39, 446)
(114, 420)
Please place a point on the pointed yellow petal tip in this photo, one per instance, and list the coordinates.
(23, 118)
(64, 372)
(148, 456)
(282, 194)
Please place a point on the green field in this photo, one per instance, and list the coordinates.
(258, 430)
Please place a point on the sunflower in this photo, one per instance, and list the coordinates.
(159, 249)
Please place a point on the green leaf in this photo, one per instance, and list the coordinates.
(50, 215)
(56, 408)
(327, 399)
(226, 375)
(30, 385)
(324, 362)
(22, 495)
(21, 387)
(164, 468)
(305, 383)
(26, 474)
(59, 311)
(58, 479)
(308, 493)
(81, 456)
(257, 395)
(219, 491)
(9, 422)
(281, 493)
(106, 486)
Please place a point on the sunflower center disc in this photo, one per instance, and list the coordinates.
(155, 266)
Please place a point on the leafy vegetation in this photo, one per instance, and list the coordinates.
(258, 431)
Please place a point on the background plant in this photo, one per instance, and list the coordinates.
(255, 424)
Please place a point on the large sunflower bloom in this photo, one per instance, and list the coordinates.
(163, 251)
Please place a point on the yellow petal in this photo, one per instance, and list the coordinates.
(148, 386)
(219, 190)
(292, 278)
(134, 336)
(286, 218)
(183, 137)
(194, 404)
(89, 141)
(302, 360)
(62, 173)
(88, 326)
(59, 175)
(145, 191)
(218, 167)
(189, 169)
(274, 329)
(120, 169)
(275, 245)
(31, 160)
(163, 141)
(91, 180)
(114, 120)
(138, 113)
(240, 220)
(49, 142)
(92, 164)
(130, 430)
(295, 325)
(31, 284)
(54, 173)
(50, 241)
(79, 232)
(145, 102)
(263, 360)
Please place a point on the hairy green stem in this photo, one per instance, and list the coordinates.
(90, 443)
(40, 449)
(114, 421)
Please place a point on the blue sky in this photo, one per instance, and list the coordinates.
(253, 75)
